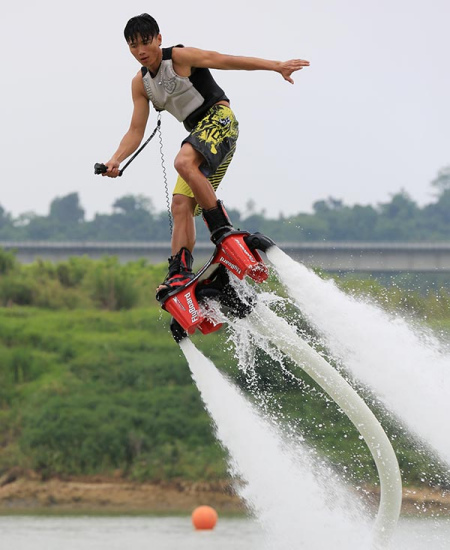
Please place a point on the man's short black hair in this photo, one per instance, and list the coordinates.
(143, 25)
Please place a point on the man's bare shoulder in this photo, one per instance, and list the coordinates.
(137, 85)
(185, 54)
(137, 80)
(137, 77)
(189, 57)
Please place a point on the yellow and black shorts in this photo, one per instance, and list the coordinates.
(215, 138)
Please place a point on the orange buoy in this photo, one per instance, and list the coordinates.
(204, 517)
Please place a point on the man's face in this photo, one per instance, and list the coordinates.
(147, 52)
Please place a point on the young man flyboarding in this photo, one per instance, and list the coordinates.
(178, 80)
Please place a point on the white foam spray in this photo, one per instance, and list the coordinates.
(280, 482)
(264, 323)
(406, 367)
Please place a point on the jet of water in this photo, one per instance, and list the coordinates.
(280, 483)
(405, 366)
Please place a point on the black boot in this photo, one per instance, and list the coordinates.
(180, 271)
(217, 221)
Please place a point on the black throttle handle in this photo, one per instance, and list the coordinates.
(102, 169)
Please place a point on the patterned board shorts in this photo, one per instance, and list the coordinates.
(215, 138)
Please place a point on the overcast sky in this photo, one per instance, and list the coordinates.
(369, 117)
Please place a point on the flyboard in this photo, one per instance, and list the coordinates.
(236, 255)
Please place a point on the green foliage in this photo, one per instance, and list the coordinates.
(67, 210)
(17, 289)
(111, 286)
(7, 262)
(78, 283)
(442, 180)
(87, 392)
(71, 273)
(395, 297)
(91, 381)
(91, 432)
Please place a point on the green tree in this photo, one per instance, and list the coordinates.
(130, 204)
(399, 219)
(436, 218)
(67, 210)
(442, 181)
(5, 218)
(7, 261)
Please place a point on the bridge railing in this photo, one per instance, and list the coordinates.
(330, 256)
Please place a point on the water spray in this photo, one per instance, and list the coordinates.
(297, 502)
(402, 362)
(267, 323)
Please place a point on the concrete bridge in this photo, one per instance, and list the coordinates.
(329, 256)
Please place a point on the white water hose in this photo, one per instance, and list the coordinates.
(284, 337)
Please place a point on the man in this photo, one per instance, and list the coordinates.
(178, 80)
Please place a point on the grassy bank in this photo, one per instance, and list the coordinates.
(91, 382)
(88, 391)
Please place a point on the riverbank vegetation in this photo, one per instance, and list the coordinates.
(91, 381)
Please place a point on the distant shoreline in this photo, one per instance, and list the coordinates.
(115, 496)
(111, 496)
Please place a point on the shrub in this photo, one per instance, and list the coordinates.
(111, 286)
(17, 289)
(87, 433)
(7, 261)
(72, 272)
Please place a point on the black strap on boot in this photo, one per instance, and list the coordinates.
(217, 221)
(179, 274)
(180, 263)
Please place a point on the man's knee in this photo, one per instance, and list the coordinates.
(187, 160)
(181, 164)
(182, 206)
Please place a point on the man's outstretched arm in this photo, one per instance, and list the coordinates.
(186, 58)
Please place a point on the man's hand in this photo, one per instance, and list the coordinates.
(113, 169)
(288, 67)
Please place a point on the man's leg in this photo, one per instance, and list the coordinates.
(183, 223)
(187, 164)
(183, 241)
(183, 236)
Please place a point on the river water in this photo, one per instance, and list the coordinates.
(177, 533)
